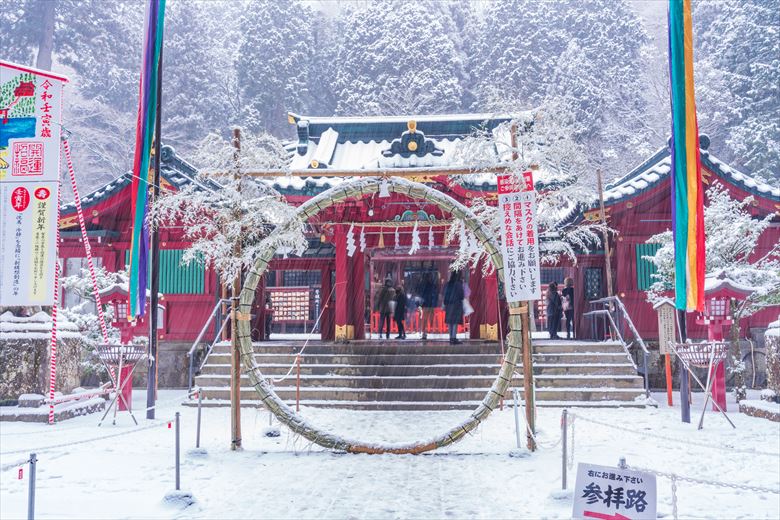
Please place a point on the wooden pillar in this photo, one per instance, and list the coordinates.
(492, 307)
(357, 294)
(343, 272)
(326, 323)
(479, 300)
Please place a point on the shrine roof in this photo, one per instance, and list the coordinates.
(174, 171)
(658, 167)
(358, 143)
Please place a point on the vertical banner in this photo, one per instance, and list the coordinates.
(30, 115)
(519, 237)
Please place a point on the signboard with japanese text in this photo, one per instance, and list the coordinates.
(608, 493)
(666, 325)
(519, 237)
(30, 113)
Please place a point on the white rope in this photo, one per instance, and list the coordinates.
(306, 343)
(697, 444)
(716, 483)
(85, 441)
(531, 433)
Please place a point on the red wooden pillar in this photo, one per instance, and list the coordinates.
(491, 304)
(357, 294)
(478, 300)
(343, 272)
(326, 323)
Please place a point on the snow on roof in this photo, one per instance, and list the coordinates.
(430, 118)
(658, 167)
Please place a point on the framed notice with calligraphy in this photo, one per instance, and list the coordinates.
(519, 237)
(30, 113)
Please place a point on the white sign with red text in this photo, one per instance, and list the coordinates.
(607, 493)
(30, 115)
(519, 237)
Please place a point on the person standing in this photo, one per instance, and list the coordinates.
(382, 300)
(554, 310)
(453, 305)
(568, 305)
(429, 292)
(400, 311)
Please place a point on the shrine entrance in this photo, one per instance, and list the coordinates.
(412, 272)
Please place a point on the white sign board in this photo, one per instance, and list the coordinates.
(519, 237)
(607, 493)
(30, 114)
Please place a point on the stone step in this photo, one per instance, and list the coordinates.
(418, 405)
(624, 369)
(415, 347)
(567, 358)
(333, 394)
(379, 359)
(433, 382)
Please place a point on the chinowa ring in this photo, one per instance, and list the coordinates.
(312, 207)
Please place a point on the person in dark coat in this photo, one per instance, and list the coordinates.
(568, 306)
(429, 293)
(400, 311)
(554, 310)
(453, 305)
(382, 300)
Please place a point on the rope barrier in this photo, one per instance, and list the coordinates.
(86, 441)
(306, 343)
(673, 439)
(53, 343)
(694, 480)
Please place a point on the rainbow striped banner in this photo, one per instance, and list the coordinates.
(687, 196)
(144, 132)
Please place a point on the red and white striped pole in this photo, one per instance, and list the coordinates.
(85, 239)
(53, 345)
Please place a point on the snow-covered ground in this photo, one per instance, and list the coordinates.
(128, 476)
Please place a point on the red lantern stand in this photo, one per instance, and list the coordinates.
(718, 294)
(122, 359)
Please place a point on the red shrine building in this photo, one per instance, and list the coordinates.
(394, 237)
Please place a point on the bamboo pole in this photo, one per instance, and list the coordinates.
(235, 355)
(607, 254)
(379, 172)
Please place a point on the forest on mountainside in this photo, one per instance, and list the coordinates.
(248, 63)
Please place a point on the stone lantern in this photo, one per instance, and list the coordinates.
(719, 290)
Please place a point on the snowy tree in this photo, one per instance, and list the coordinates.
(396, 58)
(589, 54)
(563, 178)
(731, 248)
(275, 62)
(224, 212)
(738, 65)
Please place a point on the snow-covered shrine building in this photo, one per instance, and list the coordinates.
(637, 205)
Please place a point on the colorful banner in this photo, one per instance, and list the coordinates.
(687, 195)
(519, 237)
(30, 116)
(145, 129)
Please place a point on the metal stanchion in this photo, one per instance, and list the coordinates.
(200, 404)
(31, 493)
(564, 435)
(178, 458)
(298, 384)
(517, 418)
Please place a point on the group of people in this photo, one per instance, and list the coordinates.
(393, 302)
(558, 306)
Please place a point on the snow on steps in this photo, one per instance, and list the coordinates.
(415, 375)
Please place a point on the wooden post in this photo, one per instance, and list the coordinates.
(528, 375)
(603, 217)
(235, 357)
(525, 330)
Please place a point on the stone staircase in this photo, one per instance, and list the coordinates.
(412, 375)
